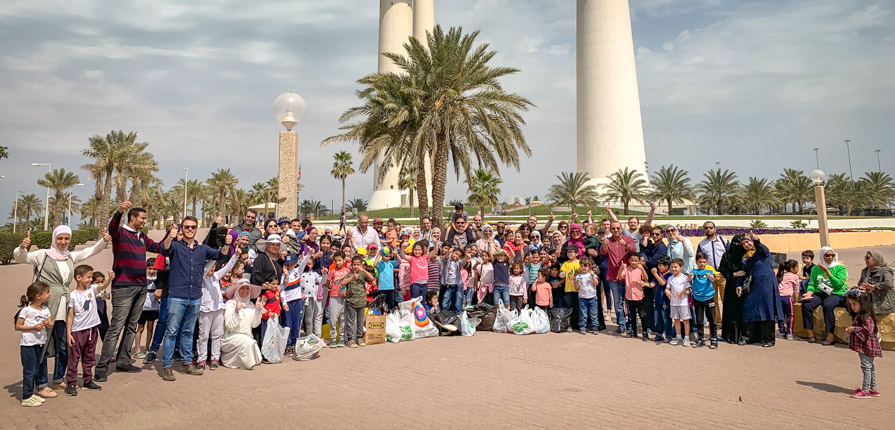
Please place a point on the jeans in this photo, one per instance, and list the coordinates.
(587, 308)
(869, 370)
(663, 323)
(60, 343)
(705, 310)
(103, 317)
(803, 287)
(453, 299)
(829, 303)
(618, 299)
(292, 319)
(419, 289)
(468, 296)
(786, 322)
(34, 369)
(647, 315)
(84, 352)
(354, 323)
(182, 316)
(635, 309)
(159, 333)
(502, 294)
(127, 305)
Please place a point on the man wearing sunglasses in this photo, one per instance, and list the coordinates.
(714, 246)
(460, 234)
(633, 226)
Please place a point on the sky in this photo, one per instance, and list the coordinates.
(754, 85)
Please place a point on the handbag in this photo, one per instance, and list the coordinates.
(746, 288)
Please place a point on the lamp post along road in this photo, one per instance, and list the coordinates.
(879, 166)
(186, 173)
(289, 109)
(848, 150)
(818, 177)
(16, 212)
(47, 201)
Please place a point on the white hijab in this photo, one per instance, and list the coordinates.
(823, 251)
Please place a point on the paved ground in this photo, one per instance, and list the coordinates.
(486, 381)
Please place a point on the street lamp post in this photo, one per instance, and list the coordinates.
(16, 212)
(70, 193)
(818, 177)
(848, 150)
(47, 201)
(817, 158)
(879, 166)
(186, 173)
(289, 109)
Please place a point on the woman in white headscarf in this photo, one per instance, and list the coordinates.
(826, 287)
(239, 350)
(680, 247)
(56, 267)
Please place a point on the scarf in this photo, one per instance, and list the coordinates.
(879, 260)
(55, 253)
(823, 251)
(578, 243)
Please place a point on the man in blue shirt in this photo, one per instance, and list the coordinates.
(185, 292)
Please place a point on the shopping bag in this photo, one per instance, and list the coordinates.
(467, 327)
(307, 348)
(393, 327)
(541, 320)
(504, 316)
(523, 323)
(274, 342)
(421, 325)
(375, 329)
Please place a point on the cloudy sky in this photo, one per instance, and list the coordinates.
(755, 85)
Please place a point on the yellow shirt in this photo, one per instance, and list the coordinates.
(571, 269)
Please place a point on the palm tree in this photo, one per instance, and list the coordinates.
(359, 204)
(841, 192)
(757, 194)
(195, 192)
(312, 207)
(672, 185)
(406, 181)
(4, 152)
(879, 187)
(626, 185)
(109, 154)
(88, 211)
(484, 187)
(140, 170)
(341, 169)
(573, 190)
(30, 205)
(221, 184)
(60, 181)
(264, 192)
(718, 188)
(793, 186)
(447, 104)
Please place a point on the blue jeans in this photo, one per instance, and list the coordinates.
(618, 293)
(587, 308)
(182, 316)
(159, 332)
(60, 342)
(664, 324)
(468, 295)
(292, 319)
(453, 298)
(501, 294)
(34, 369)
(419, 289)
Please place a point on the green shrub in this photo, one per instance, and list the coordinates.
(41, 240)
(8, 243)
(798, 224)
(758, 224)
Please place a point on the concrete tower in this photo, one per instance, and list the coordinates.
(610, 131)
(395, 28)
(424, 21)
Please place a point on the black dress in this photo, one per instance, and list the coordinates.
(732, 323)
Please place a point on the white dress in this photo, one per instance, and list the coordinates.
(238, 348)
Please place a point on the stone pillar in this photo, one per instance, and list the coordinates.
(288, 175)
(424, 21)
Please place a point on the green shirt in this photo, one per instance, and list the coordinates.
(356, 292)
(837, 281)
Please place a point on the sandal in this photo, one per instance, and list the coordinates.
(827, 342)
(812, 339)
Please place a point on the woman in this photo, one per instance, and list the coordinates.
(576, 239)
(876, 279)
(56, 267)
(826, 287)
(435, 237)
(556, 241)
(268, 266)
(239, 350)
(732, 324)
(680, 247)
(310, 240)
(514, 248)
(487, 241)
(270, 227)
(534, 243)
(761, 305)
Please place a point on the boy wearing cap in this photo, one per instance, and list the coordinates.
(292, 296)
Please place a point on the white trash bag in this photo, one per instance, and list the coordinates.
(307, 348)
(467, 325)
(541, 320)
(522, 324)
(503, 317)
(397, 326)
(274, 343)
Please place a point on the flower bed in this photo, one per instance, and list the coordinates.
(731, 231)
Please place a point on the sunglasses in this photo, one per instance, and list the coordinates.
(190, 227)
(655, 234)
(832, 255)
(708, 228)
(460, 223)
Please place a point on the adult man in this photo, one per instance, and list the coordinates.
(533, 224)
(185, 292)
(476, 226)
(129, 246)
(458, 213)
(634, 224)
(377, 226)
(459, 234)
(426, 228)
(714, 246)
(616, 248)
(248, 225)
(501, 232)
(362, 235)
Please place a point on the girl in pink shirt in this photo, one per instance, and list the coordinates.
(788, 285)
(419, 269)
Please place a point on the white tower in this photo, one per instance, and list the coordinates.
(610, 131)
(395, 28)
(424, 21)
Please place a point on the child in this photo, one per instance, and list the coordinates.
(807, 265)
(703, 291)
(543, 290)
(501, 268)
(568, 271)
(312, 288)
(386, 267)
(557, 287)
(419, 268)
(356, 300)
(788, 286)
(82, 326)
(452, 279)
(337, 272)
(33, 320)
(517, 287)
(470, 258)
(211, 313)
(272, 306)
(864, 339)
(485, 274)
(533, 264)
(150, 311)
(293, 297)
(677, 292)
(436, 267)
(432, 306)
(661, 274)
(98, 279)
(634, 276)
(586, 286)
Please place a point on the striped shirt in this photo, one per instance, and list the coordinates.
(129, 250)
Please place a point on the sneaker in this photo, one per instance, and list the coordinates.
(168, 374)
(687, 341)
(667, 340)
(201, 365)
(352, 344)
(289, 350)
(789, 337)
(713, 344)
(128, 368)
(191, 369)
(333, 344)
(658, 338)
(150, 357)
(140, 355)
(860, 394)
(361, 342)
(341, 343)
(595, 332)
(100, 376)
(213, 365)
(39, 399)
(176, 357)
(71, 390)
(91, 386)
(630, 334)
(582, 331)
(646, 337)
(618, 331)
(873, 393)
(31, 402)
(674, 341)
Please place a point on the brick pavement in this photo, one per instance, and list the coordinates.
(487, 381)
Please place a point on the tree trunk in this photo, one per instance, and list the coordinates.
(439, 178)
(58, 217)
(194, 206)
(410, 196)
(120, 184)
(669, 206)
(422, 191)
(626, 206)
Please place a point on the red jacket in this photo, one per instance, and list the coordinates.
(271, 304)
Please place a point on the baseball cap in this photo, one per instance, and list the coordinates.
(291, 258)
(283, 220)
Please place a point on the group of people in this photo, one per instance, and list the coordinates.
(211, 302)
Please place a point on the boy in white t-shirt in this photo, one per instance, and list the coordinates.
(677, 291)
(82, 325)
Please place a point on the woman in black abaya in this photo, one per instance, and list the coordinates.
(732, 318)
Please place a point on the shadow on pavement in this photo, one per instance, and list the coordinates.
(823, 386)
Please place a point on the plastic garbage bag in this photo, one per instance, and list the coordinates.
(523, 323)
(541, 320)
(467, 325)
(447, 320)
(479, 310)
(420, 323)
(487, 321)
(307, 348)
(379, 304)
(559, 319)
(504, 316)
(274, 342)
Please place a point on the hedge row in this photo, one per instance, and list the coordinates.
(41, 239)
